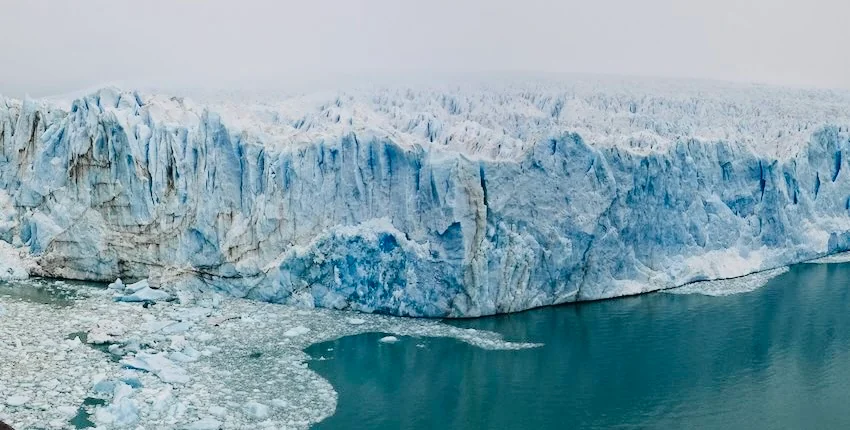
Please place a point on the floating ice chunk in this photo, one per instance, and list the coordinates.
(72, 343)
(68, 411)
(117, 285)
(177, 410)
(132, 381)
(205, 424)
(138, 286)
(177, 328)
(122, 413)
(115, 349)
(17, 400)
(155, 325)
(355, 321)
(126, 412)
(132, 345)
(50, 384)
(181, 357)
(105, 331)
(192, 353)
(194, 314)
(280, 403)
(146, 294)
(103, 416)
(173, 375)
(159, 365)
(162, 400)
(177, 342)
(256, 410)
(388, 339)
(217, 411)
(296, 331)
(121, 391)
(204, 337)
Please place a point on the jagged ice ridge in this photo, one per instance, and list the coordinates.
(461, 200)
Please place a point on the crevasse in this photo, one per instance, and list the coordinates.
(495, 201)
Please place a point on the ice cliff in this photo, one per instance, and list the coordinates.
(447, 201)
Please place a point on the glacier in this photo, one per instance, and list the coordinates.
(444, 201)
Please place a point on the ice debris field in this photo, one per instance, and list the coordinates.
(128, 356)
(454, 200)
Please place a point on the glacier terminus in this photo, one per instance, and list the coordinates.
(441, 201)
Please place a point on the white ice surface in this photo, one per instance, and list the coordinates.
(388, 339)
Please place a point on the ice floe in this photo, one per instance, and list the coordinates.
(388, 339)
(17, 400)
(138, 292)
(199, 362)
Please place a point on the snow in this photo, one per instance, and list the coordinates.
(217, 411)
(43, 360)
(17, 400)
(450, 200)
(503, 119)
(159, 365)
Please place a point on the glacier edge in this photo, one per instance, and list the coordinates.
(132, 186)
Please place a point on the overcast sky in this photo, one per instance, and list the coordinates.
(59, 46)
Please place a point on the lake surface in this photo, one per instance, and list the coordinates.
(777, 357)
(45, 291)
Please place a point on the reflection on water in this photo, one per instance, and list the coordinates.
(777, 357)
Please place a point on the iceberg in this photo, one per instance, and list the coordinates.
(159, 365)
(452, 201)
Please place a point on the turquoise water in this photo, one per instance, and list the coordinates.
(777, 357)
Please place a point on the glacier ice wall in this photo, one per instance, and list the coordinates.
(125, 185)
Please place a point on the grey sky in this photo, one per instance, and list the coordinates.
(58, 46)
